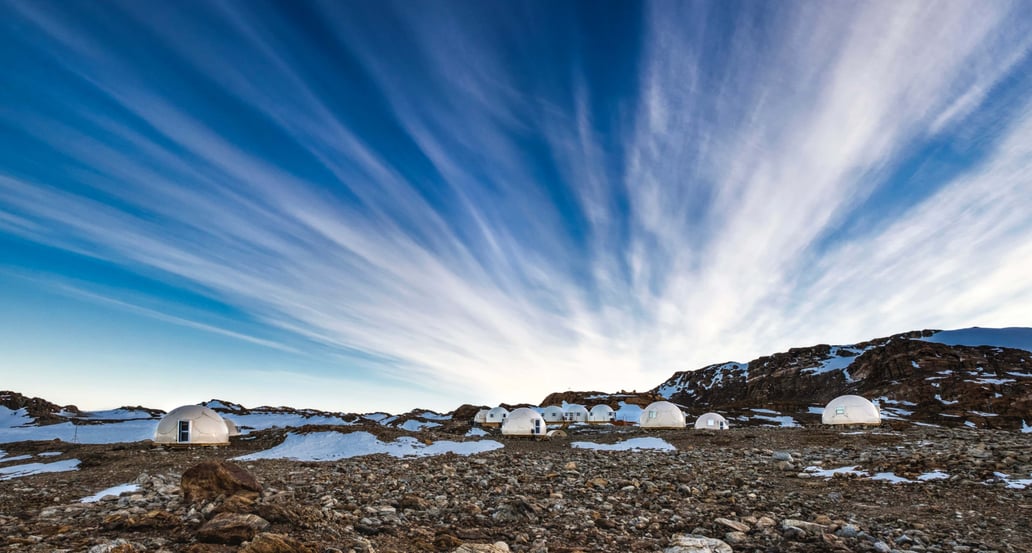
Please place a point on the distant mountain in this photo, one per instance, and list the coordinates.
(977, 377)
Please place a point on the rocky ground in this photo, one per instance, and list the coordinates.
(742, 490)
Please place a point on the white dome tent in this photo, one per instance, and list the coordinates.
(601, 414)
(661, 414)
(231, 428)
(576, 413)
(496, 416)
(552, 413)
(524, 422)
(711, 421)
(480, 417)
(850, 409)
(192, 425)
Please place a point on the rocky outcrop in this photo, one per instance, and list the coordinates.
(38, 408)
(913, 379)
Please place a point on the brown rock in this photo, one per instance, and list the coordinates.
(231, 528)
(153, 519)
(209, 548)
(275, 543)
(211, 479)
(497, 547)
(733, 524)
(446, 542)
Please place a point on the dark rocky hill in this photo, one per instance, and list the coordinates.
(911, 379)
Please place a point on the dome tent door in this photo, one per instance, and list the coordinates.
(184, 431)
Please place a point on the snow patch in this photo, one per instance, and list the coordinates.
(1013, 483)
(934, 475)
(891, 478)
(331, 446)
(11, 418)
(634, 444)
(783, 421)
(828, 473)
(29, 469)
(476, 432)
(413, 425)
(112, 491)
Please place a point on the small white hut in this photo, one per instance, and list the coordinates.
(192, 425)
(480, 417)
(576, 413)
(661, 414)
(496, 416)
(552, 413)
(711, 421)
(524, 422)
(601, 414)
(850, 409)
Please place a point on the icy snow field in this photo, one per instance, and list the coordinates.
(331, 446)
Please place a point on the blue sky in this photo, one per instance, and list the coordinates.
(371, 205)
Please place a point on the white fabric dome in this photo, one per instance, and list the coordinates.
(576, 413)
(552, 413)
(524, 422)
(601, 413)
(711, 421)
(192, 424)
(850, 409)
(231, 427)
(481, 416)
(661, 414)
(496, 415)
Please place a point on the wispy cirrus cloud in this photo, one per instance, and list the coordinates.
(485, 220)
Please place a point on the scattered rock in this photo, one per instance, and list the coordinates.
(497, 547)
(275, 543)
(696, 544)
(231, 528)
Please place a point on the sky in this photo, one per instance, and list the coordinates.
(360, 206)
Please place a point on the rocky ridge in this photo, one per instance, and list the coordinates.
(916, 380)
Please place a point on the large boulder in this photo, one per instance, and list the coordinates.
(212, 479)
